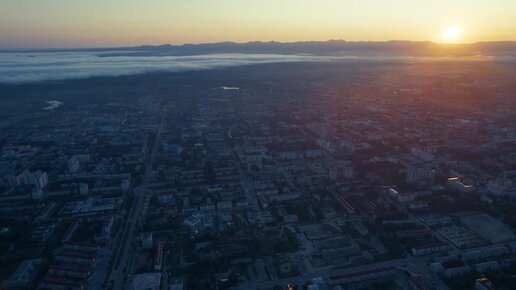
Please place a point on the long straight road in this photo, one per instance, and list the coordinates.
(120, 271)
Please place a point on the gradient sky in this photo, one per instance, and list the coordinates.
(108, 23)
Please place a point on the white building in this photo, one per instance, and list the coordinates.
(429, 249)
(146, 239)
(415, 175)
(332, 175)
(349, 172)
(37, 179)
(423, 155)
(83, 188)
(40, 179)
(37, 193)
(125, 184)
(73, 164)
(146, 281)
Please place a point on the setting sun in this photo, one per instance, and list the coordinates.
(451, 34)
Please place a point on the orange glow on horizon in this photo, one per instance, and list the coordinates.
(95, 23)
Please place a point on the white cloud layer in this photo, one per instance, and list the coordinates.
(24, 67)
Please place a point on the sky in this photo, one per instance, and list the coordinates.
(114, 23)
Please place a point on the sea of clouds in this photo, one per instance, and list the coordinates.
(24, 67)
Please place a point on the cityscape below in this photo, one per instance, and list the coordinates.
(243, 166)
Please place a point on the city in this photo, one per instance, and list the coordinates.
(340, 175)
(258, 145)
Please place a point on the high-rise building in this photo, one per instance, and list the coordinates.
(40, 179)
(333, 173)
(37, 193)
(415, 175)
(73, 164)
(147, 242)
(83, 188)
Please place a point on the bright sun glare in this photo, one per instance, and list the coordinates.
(451, 34)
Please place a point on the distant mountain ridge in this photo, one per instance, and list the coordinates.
(330, 47)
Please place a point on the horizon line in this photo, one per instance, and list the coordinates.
(251, 42)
